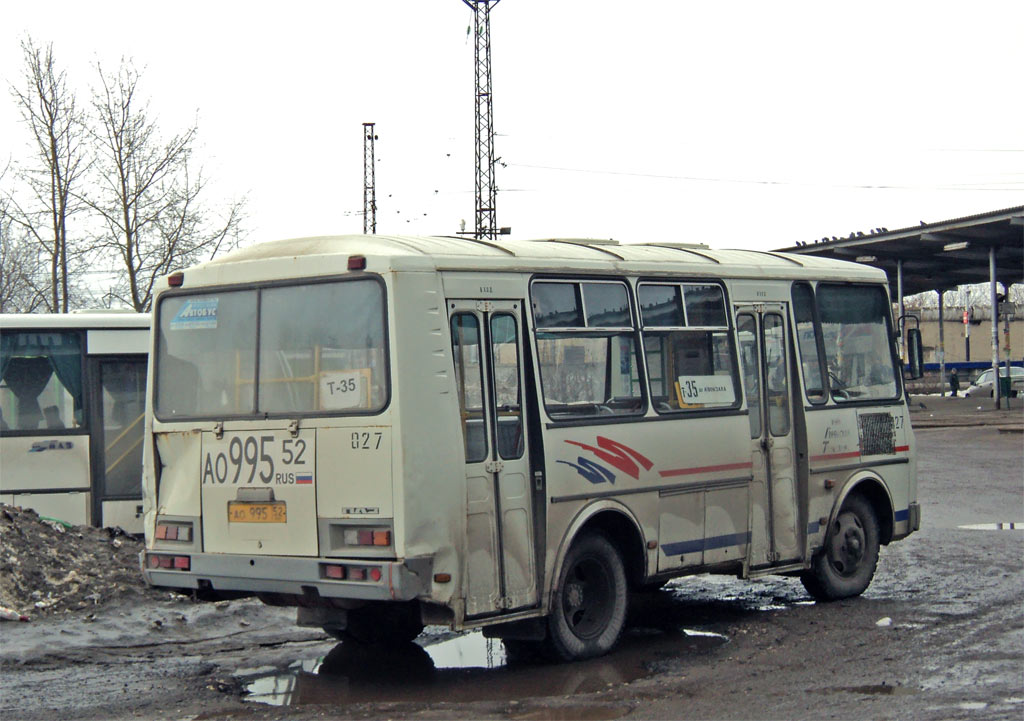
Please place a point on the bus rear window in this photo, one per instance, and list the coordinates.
(320, 349)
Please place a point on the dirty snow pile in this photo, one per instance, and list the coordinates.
(49, 567)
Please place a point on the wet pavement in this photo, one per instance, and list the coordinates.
(938, 635)
(465, 668)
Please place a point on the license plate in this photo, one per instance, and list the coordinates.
(262, 459)
(243, 512)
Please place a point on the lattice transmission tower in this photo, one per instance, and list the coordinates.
(369, 181)
(486, 191)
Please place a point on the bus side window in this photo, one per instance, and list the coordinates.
(42, 380)
(686, 338)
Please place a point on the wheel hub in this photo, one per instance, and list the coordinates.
(848, 544)
(574, 595)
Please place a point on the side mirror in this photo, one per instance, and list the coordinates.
(915, 364)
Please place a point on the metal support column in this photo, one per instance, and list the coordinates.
(903, 309)
(942, 346)
(995, 325)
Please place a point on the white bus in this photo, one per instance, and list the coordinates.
(391, 431)
(72, 396)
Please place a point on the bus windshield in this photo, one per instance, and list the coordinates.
(282, 350)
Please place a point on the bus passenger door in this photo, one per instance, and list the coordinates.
(775, 511)
(500, 565)
(117, 405)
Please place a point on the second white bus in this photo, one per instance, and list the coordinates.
(386, 432)
(72, 395)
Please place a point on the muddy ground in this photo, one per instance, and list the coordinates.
(938, 635)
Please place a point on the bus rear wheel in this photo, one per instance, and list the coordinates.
(589, 604)
(846, 565)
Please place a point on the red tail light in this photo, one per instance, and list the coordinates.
(178, 563)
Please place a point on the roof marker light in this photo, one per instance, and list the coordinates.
(176, 280)
(357, 262)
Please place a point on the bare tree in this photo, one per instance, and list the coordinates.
(49, 181)
(19, 265)
(149, 194)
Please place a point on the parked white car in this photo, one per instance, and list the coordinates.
(981, 387)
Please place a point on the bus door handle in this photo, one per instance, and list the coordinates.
(766, 443)
(538, 480)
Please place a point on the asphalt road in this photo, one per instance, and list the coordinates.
(938, 635)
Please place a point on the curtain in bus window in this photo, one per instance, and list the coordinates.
(507, 398)
(206, 353)
(322, 348)
(858, 346)
(586, 348)
(807, 342)
(42, 380)
(469, 381)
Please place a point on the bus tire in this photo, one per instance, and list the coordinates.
(588, 607)
(386, 624)
(846, 564)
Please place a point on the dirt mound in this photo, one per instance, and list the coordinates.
(49, 567)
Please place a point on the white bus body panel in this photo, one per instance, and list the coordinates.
(71, 507)
(37, 463)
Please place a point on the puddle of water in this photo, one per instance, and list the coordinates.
(466, 668)
(1005, 526)
(881, 690)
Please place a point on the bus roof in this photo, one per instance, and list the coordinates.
(89, 320)
(397, 252)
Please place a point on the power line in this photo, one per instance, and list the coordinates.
(747, 181)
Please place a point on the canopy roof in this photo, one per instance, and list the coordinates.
(936, 256)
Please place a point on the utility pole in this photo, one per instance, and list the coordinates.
(486, 191)
(369, 181)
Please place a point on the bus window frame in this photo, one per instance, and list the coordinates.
(84, 429)
(899, 396)
(729, 329)
(259, 286)
(819, 343)
(634, 332)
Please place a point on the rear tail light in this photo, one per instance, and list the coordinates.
(339, 572)
(168, 562)
(367, 537)
(174, 532)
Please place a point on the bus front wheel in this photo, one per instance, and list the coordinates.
(846, 565)
(589, 605)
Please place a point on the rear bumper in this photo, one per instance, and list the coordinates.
(400, 580)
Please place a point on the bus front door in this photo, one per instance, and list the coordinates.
(775, 509)
(500, 567)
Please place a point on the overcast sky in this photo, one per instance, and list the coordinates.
(741, 124)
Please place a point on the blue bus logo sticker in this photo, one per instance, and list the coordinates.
(196, 313)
